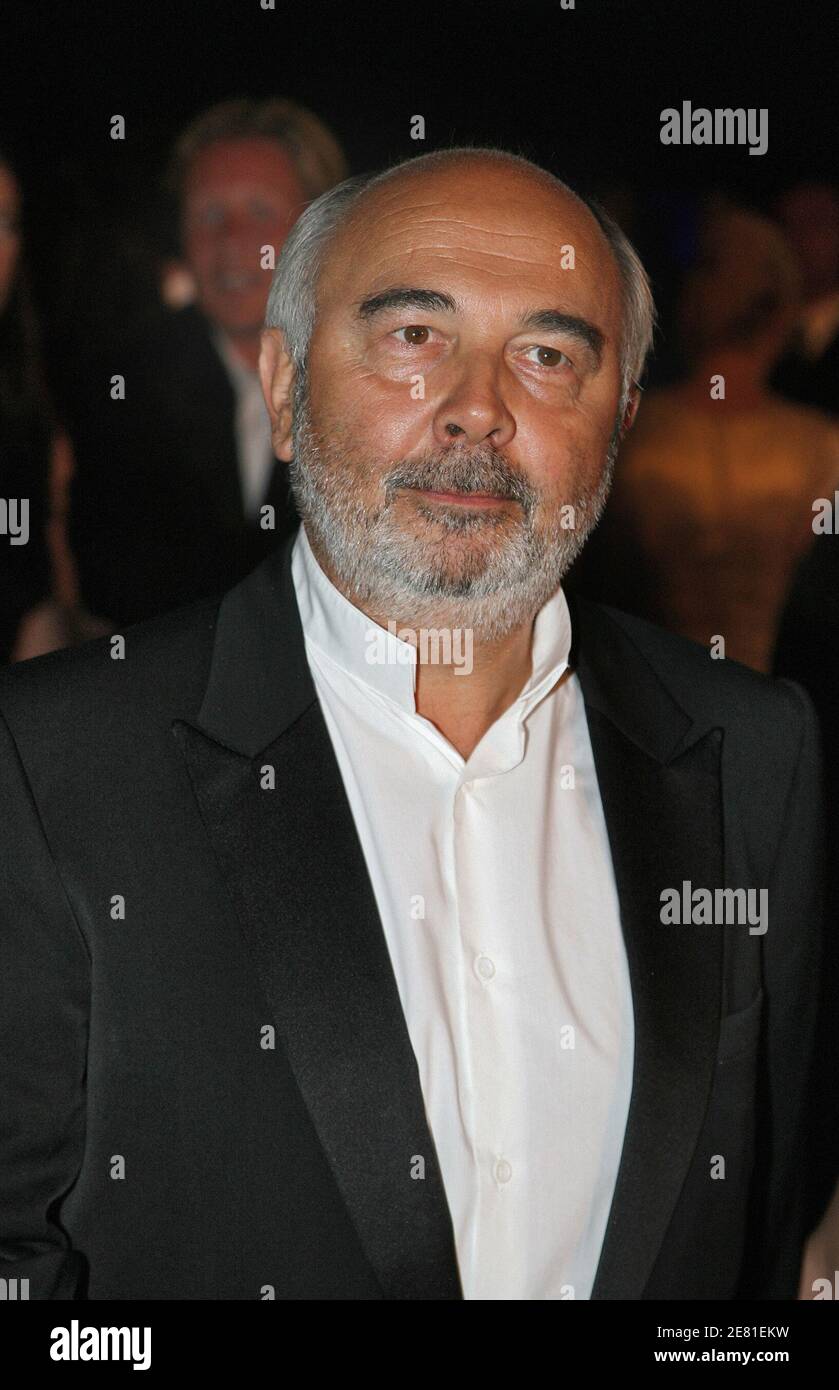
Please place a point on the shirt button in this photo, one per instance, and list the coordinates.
(484, 968)
(503, 1171)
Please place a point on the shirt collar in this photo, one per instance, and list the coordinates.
(374, 656)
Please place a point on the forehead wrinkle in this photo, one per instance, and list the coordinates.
(458, 226)
(601, 294)
(487, 194)
(471, 190)
(461, 225)
(465, 253)
(586, 257)
(462, 256)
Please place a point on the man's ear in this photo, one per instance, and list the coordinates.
(276, 373)
(631, 410)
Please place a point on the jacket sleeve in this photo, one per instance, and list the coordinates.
(44, 1010)
(792, 952)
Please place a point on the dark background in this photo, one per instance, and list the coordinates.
(579, 90)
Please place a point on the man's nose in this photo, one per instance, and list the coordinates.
(473, 409)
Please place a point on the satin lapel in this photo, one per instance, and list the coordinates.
(660, 787)
(297, 878)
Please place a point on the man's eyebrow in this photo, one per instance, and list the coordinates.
(406, 297)
(437, 301)
(554, 321)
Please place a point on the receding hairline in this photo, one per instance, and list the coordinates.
(441, 161)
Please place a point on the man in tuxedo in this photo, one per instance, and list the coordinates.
(178, 494)
(340, 967)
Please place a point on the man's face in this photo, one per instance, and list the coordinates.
(452, 439)
(239, 196)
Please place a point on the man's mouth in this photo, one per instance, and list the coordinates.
(465, 499)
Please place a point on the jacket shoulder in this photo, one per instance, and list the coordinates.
(713, 689)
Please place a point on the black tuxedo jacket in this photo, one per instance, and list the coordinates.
(808, 652)
(157, 518)
(166, 916)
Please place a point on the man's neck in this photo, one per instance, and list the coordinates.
(462, 704)
(464, 707)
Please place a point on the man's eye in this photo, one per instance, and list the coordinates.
(415, 336)
(548, 357)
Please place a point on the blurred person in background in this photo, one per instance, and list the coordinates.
(172, 480)
(713, 500)
(809, 371)
(24, 433)
(39, 608)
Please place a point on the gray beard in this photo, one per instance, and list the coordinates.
(384, 570)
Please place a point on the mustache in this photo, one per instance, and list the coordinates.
(481, 469)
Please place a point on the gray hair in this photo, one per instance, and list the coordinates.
(292, 300)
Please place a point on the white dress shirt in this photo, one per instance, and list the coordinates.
(252, 430)
(494, 883)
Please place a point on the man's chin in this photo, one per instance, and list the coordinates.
(454, 555)
(442, 528)
(451, 565)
